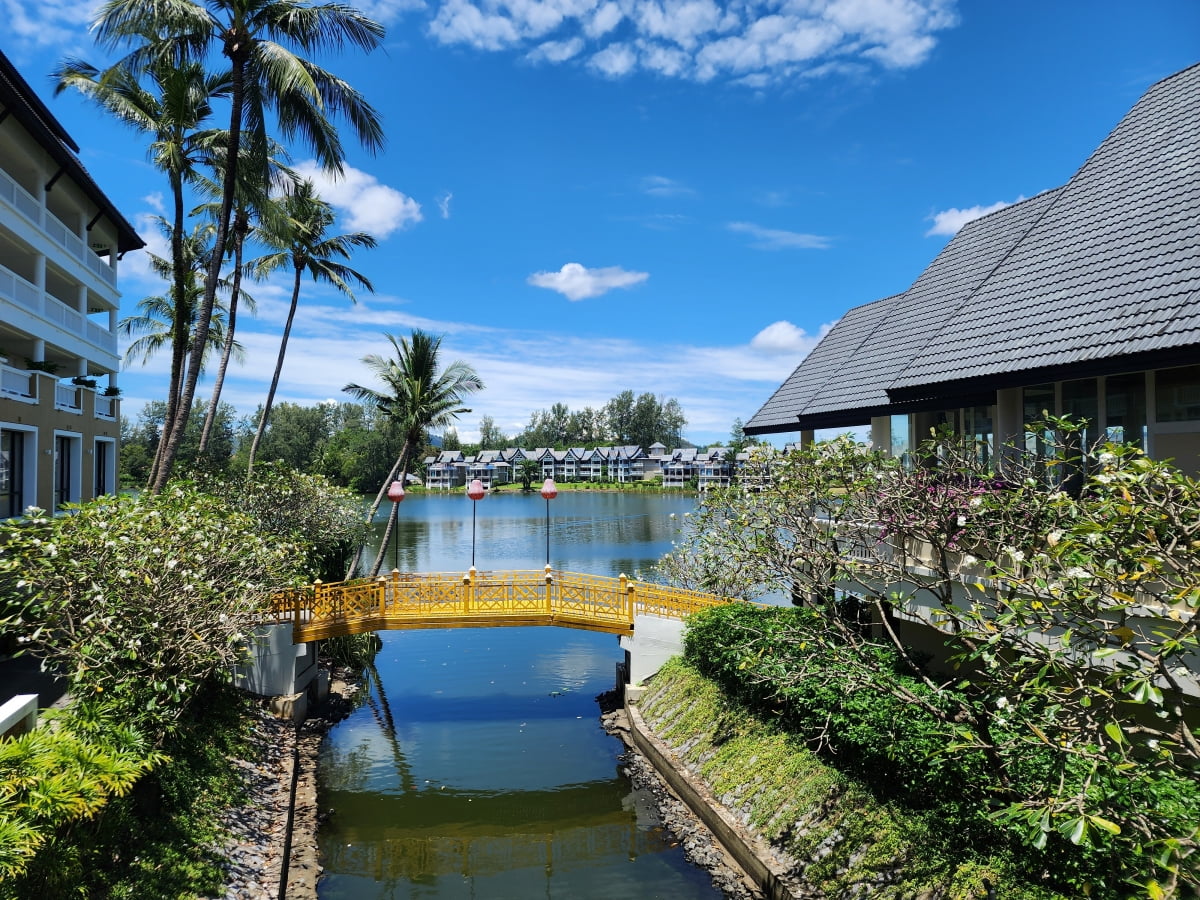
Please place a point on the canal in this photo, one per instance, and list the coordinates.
(476, 768)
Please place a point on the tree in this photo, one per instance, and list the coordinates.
(298, 238)
(490, 436)
(417, 395)
(254, 36)
(529, 471)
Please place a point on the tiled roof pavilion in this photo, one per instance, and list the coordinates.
(1101, 275)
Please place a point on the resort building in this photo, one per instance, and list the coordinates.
(1083, 300)
(60, 239)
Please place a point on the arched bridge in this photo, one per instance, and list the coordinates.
(475, 599)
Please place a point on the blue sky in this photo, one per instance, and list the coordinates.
(588, 196)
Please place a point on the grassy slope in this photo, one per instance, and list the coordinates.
(844, 840)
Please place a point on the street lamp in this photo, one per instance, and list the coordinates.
(396, 495)
(549, 492)
(475, 492)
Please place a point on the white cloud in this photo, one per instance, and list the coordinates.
(748, 43)
(577, 282)
(557, 51)
(661, 186)
(949, 221)
(614, 60)
(443, 203)
(775, 239)
(155, 202)
(365, 204)
(783, 337)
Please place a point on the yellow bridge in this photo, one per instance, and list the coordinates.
(475, 599)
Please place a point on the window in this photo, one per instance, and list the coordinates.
(1081, 400)
(901, 439)
(66, 469)
(978, 428)
(1037, 401)
(1125, 405)
(105, 467)
(16, 492)
(1177, 394)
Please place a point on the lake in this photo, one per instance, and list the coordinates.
(477, 767)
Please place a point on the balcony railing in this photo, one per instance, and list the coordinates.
(18, 384)
(48, 307)
(28, 205)
(67, 398)
(105, 407)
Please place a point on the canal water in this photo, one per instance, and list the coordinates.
(477, 768)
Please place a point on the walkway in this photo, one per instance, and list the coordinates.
(480, 599)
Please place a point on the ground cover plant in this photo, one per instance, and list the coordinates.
(1064, 590)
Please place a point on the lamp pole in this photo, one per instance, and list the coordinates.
(476, 493)
(549, 492)
(396, 495)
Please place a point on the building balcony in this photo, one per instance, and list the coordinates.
(33, 388)
(45, 222)
(39, 314)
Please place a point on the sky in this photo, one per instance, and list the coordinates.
(669, 196)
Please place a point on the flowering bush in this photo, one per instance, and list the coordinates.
(1067, 597)
(139, 600)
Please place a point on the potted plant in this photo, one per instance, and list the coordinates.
(112, 391)
(84, 381)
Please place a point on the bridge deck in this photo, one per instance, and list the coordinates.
(407, 600)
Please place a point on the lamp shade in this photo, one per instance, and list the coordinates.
(549, 489)
(396, 492)
(475, 490)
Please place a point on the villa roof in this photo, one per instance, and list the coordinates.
(1073, 280)
(18, 98)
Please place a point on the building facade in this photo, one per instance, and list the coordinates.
(60, 240)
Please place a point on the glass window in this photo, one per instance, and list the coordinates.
(1081, 401)
(1038, 401)
(977, 424)
(1177, 394)
(901, 438)
(62, 470)
(1125, 406)
(12, 473)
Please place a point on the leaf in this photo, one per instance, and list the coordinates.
(1113, 730)
(1154, 890)
(1110, 827)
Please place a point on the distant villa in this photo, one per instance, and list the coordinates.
(714, 467)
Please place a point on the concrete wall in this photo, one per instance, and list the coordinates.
(654, 641)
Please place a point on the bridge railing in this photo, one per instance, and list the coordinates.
(445, 599)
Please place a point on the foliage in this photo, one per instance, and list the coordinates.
(163, 837)
(140, 439)
(57, 775)
(529, 471)
(356, 651)
(490, 435)
(1065, 592)
(143, 599)
(303, 511)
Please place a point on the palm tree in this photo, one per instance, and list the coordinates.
(170, 100)
(417, 397)
(252, 202)
(298, 238)
(265, 75)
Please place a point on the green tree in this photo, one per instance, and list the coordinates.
(299, 239)
(417, 395)
(255, 36)
(529, 471)
(490, 436)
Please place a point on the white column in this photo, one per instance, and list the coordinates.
(807, 437)
(881, 433)
(39, 272)
(112, 321)
(1009, 424)
(81, 301)
(39, 350)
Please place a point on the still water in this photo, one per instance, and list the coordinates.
(477, 768)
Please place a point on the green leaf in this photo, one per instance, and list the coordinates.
(1113, 730)
(1110, 827)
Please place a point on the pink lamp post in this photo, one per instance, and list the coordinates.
(476, 492)
(396, 495)
(549, 492)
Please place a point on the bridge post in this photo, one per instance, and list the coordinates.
(623, 596)
(549, 587)
(468, 588)
(382, 581)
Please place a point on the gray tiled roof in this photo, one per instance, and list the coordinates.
(846, 376)
(1106, 266)
(1112, 269)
